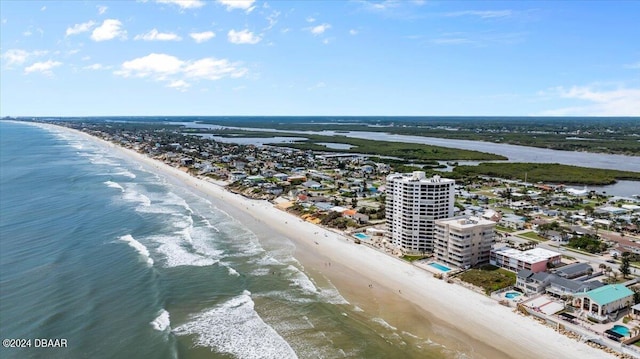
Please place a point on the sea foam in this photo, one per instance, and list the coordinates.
(112, 184)
(235, 328)
(139, 247)
(177, 255)
(162, 322)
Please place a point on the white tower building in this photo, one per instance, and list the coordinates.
(413, 204)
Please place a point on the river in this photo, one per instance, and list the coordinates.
(514, 153)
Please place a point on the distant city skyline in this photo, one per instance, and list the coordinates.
(319, 58)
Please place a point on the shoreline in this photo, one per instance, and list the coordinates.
(475, 319)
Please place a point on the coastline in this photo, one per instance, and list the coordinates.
(402, 294)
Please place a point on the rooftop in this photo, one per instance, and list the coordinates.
(465, 222)
(530, 256)
(608, 293)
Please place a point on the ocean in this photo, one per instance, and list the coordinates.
(123, 263)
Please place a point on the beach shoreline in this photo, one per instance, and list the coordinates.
(397, 287)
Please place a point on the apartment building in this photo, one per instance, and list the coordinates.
(414, 202)
(463, 242)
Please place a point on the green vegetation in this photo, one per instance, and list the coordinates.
(405, 151)
(606, 135)
(624, 266)
(587, 243)
(546, 172)
(489, 277)
(532, 235)
(504, 229)
(410, 258)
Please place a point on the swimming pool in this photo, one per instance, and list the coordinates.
(361, 236)
(511, 295)
(440, 266)
(620, 329)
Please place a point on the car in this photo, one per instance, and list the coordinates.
(610, 261)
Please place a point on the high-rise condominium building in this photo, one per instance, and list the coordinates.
(464, 241)
(413, 204)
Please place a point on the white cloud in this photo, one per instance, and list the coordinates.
(96, 67)
(320, 29)
(18, 56)
(353, 32)
(246, 5)
(484, 14)
(159, 65)
(380, 6)
(15, 57)
(43, 8)
(213, 69)
(179, 85)
(272, 19)
(42, 67)
(110, 29)
(310, 19)
(200, 37)
(80, 28)
(243, 37)
(184, 4)
(102, 9)
(174, 71)
(155, 35)
(607, 102)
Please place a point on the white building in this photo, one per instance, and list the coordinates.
(413, 204)
(536, 259)
(464, 241)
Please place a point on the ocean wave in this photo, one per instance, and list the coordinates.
(235, 328)
(162, 321)
(285, 295)
(301, 280)
(139, 247)
(124, 173)
(233, 272)
(100, 160)
(134, 196)
(176, 255)
(112, 184)
(383, 323)
(175, 200)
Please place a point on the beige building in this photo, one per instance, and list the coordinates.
(463, 241)
(413, 204)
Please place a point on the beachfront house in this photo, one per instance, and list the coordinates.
(542, 282)
(535, 260)
(635, 311)
(602, 302)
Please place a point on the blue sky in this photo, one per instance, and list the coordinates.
(246, 57)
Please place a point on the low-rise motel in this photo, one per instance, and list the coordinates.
(535, 260)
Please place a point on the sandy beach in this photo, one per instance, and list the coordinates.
(404, 295)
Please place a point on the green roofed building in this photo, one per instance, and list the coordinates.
(600, 302)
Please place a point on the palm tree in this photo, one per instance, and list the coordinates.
(602, 267)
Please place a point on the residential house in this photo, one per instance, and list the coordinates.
(574, 270)
(599, 303)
